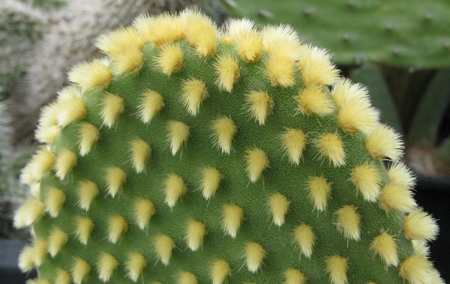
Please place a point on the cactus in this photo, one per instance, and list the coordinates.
(70, 41)
(406, 41)
(372, 78)
(394, 33)
(194, 156)
(39, 41)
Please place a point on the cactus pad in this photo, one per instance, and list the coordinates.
(199, 156)
(400, 33)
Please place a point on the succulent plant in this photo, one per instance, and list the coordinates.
(393, 33)
(70, 40)
(39, 41)
(194, 154)
(405, 39)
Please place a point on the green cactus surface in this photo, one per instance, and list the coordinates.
(401, 33)
(199, 156)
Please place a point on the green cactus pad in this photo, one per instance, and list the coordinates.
(219, 157)
(401, 33)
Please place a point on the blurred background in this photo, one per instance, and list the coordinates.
(400, 50)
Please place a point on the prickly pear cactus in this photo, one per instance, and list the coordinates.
(198, 156)
(399, 33)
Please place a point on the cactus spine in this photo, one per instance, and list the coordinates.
(196, 155)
